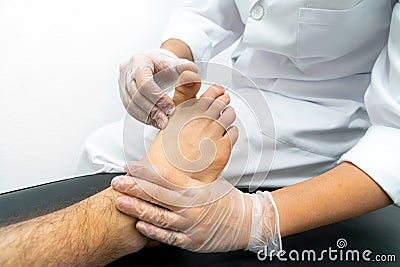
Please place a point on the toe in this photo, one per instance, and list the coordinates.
(209, 96)
(231, 135)
(217, 106)
(227, 117)
(213, 92)
(187, 87)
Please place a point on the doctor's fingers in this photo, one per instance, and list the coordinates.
(150, 213)
(182, 65)
(143, 81)
(163, 235)
(155, 117)
(130, 105)
(162, 176)
(150, 192)
(151, 112)
(154, 103)
(128, 186)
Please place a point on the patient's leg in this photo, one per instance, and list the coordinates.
(198, 139)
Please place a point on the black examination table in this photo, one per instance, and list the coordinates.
(378, 231)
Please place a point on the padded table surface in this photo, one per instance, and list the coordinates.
(378, 231)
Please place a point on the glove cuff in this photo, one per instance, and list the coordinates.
(265, 234)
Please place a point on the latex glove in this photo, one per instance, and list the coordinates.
(140, 89)
(196, 216)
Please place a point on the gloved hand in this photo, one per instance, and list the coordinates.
(141, 94)
(197, 216)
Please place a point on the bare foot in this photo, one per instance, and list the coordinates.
(198, 139)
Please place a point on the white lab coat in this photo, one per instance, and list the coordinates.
(312, 59)
(316, 56)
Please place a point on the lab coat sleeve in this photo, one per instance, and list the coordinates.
(378, 152)
(207, 26)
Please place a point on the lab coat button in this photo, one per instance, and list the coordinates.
(257, 12)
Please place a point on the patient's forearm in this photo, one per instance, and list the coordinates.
(179, 48)
(91, 232)
(342, 193)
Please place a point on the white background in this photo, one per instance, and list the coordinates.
(58, 77)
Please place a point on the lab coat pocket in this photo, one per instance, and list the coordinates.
(333, 33)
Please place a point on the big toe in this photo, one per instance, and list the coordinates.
(187, 87)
